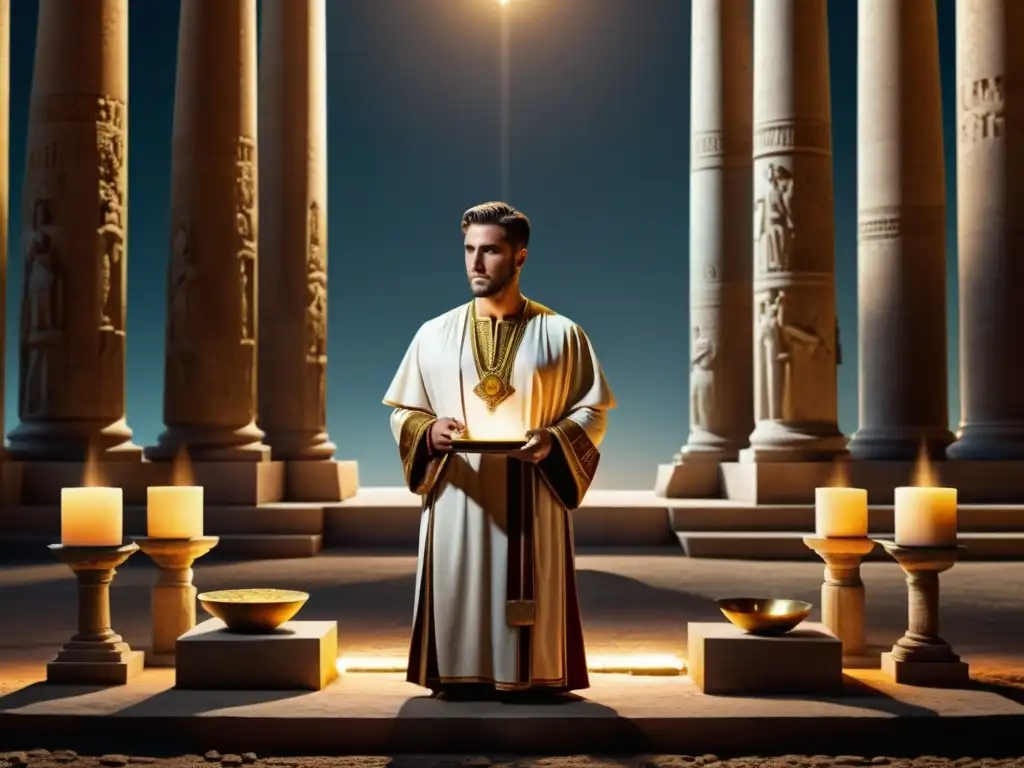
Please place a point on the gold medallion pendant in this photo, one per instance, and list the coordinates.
(494, 353)
(493, 391)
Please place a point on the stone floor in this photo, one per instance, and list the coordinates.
(637, 603)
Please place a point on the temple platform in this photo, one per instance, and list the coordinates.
(376, 519)
(378, 713)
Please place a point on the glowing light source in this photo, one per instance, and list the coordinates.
(502, 2)
(620, 664)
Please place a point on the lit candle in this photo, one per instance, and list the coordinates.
(925, 517)
(174, 511)
(840, 513)
(91, 517)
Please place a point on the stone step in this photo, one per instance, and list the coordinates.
(231, 547)
(788, 545)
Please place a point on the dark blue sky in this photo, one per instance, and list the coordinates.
(599, 161)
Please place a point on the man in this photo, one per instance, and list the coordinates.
(496, 603)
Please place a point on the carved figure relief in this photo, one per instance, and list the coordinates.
(42, 310)
(774, 230)
(181, 284)
(702, 379)
(782, 347)
(110, 145)
(316, 291)
(245, 220)
(982, 104)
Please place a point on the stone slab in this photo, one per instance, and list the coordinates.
(928, 674)
(300, 656)
(314, 481)
(381, 714)
(977, 482)
(96, 672)
(725, 660)
(688, 480)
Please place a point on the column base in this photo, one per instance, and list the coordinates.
(107, 663)
(702, 445)
(899, 443)
(687, 480)
(73, 441)
(314, 481)
(299, 445)
(207, 443)
(988, 442)
(926, 674)
(775, 441)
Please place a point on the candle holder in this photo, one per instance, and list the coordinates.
(921, 657)
(95, 655)
(842, 591)
(174, 595)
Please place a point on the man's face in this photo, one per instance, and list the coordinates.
(490, 263)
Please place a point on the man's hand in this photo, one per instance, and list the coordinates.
(442, 432)
(537, 448)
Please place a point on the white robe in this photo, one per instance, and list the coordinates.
(467, 558)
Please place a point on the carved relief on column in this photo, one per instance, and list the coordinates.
(901, 250)
(795, 383)
(245, 216)
(72, 324)
(990, 209)
(720, 186)
(316, 312)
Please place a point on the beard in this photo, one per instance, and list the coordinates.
(491, 286)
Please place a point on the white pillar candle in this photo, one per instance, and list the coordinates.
(174, 511)
(91, 517)
(840, 513)
(925, 517)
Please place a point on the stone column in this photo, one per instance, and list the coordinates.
(901, 253)
(210, 373)
(721, 92)
(293, 229)
(74, 215)
(990, 213)
(795, 329)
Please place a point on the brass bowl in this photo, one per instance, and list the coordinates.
(764, 615)
(253, 611)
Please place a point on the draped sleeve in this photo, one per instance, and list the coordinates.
(411, 419)
(570, 467)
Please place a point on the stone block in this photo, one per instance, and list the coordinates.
(688, 480)
(926, 674)
(299, 656)
(240, 482)
(96, 672)
(329, 481)
(724, 660)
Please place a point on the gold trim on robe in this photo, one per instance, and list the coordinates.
(421, 470)
(570, 467)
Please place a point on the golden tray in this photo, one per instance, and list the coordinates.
(253, 611)
(487, 446)
(764, 616)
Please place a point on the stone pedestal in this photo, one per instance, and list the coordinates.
(796, 338)
(95, 655)
(990, 207)
(724, 660)
(721, 370)
(293, 229)
(74, 216)
(210, 370)
(901, 254)
(921, 657)
(842, 592)
(315, 481)
(174, 595)
(300, 655)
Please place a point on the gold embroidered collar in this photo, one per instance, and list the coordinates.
(495, 345)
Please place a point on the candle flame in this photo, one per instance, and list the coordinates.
(181, 469)
(924, 474)
(840, 477)
(92, 475)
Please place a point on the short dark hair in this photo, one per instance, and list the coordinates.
(515, 223)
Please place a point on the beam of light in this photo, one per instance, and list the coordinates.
(504, 117)
(621, 664)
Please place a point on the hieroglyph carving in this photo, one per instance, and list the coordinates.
(245, 218)
(981, 110)
(110, 145)
(785, 352)
(316, 290)
(181, 282)
(42, 317)
(774, 229)
(702, 379)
